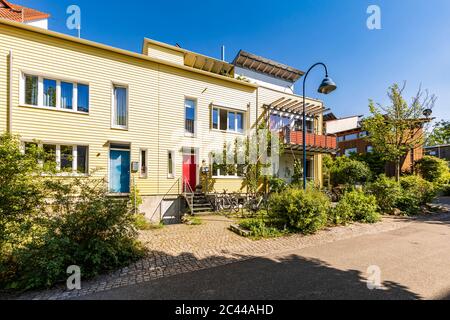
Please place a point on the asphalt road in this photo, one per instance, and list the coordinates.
(414, 262)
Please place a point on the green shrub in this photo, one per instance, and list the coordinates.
(82, 227)
(299, 210)
(415, 186)
(22, 191)
(260, 229)
(346, 171)
(373, 160)
(141, 223)
(446, 190)
(433, 169)
(357, 206)
(387, 192)
(408, 203)
(277, 185)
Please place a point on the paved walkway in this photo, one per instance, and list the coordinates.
(409, 263)
(180, 249)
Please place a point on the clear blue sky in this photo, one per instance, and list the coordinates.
(413, 45)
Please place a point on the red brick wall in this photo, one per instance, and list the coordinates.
(362, 144)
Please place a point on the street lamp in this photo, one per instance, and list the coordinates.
(326, 87)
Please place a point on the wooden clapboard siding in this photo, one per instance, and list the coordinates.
(156, 102)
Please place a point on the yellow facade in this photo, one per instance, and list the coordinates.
(158, 84)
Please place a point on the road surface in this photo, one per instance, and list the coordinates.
(414, 263)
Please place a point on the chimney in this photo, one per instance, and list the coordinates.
(223, 53)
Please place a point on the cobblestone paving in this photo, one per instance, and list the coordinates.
(181, 248)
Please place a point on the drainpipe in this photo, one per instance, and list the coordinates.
(10, 92)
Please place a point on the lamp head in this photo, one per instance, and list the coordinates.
(327, 86)
(427, 113)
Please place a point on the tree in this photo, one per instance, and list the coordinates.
(349, 172)
(433, 169)
(397, 129)
(440, 134)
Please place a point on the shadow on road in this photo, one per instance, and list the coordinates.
(290, 278)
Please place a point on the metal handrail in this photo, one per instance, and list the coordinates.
(191, 194)
(164, 197)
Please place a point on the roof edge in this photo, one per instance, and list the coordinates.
(124, 52)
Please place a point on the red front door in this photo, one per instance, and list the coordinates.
(190, 171)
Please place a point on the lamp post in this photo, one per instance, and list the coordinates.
(326, 87)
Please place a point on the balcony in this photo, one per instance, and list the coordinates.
(314, 142)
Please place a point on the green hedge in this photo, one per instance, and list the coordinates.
(387, 191)
(299, 210)
(356, 206)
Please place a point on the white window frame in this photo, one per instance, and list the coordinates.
(173, 174)
(145, 161)
(58, 156)
(195, 100)
(58, 80)
(236, 131)
(350, 151)
(113, 106)
(220, 176)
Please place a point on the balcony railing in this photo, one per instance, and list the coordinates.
(190, 126)
(313, 141)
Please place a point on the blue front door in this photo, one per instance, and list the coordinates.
(119, 180)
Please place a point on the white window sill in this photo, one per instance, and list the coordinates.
(227, 178)
(67, 175)
(54, 109)
(228, 132)
(119, 128)
(190, 135)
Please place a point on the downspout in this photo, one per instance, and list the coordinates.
(10, 92)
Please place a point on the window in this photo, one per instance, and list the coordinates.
(120, 110)
(55, 94)
(50, 93)
(143, 161)
(64, 158)
(190, 116)
(31, 90)
(341, 139)
(215, 119)
(240, 122)
(369, 149)
(66, 95)
(353, 136)
(349, 152)
(83, 97)
(363, 134)
(50, 154)
(228, 171)
(231, 121)
(171, 164)
(82, 159)
(225, 120)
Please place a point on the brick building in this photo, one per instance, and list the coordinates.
(351, 139)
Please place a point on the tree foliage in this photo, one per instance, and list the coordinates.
(440, 134)
(48, 224)
(396, 129)
(433, 169)
(347, 171)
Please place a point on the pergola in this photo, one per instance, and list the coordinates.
(294, 106)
